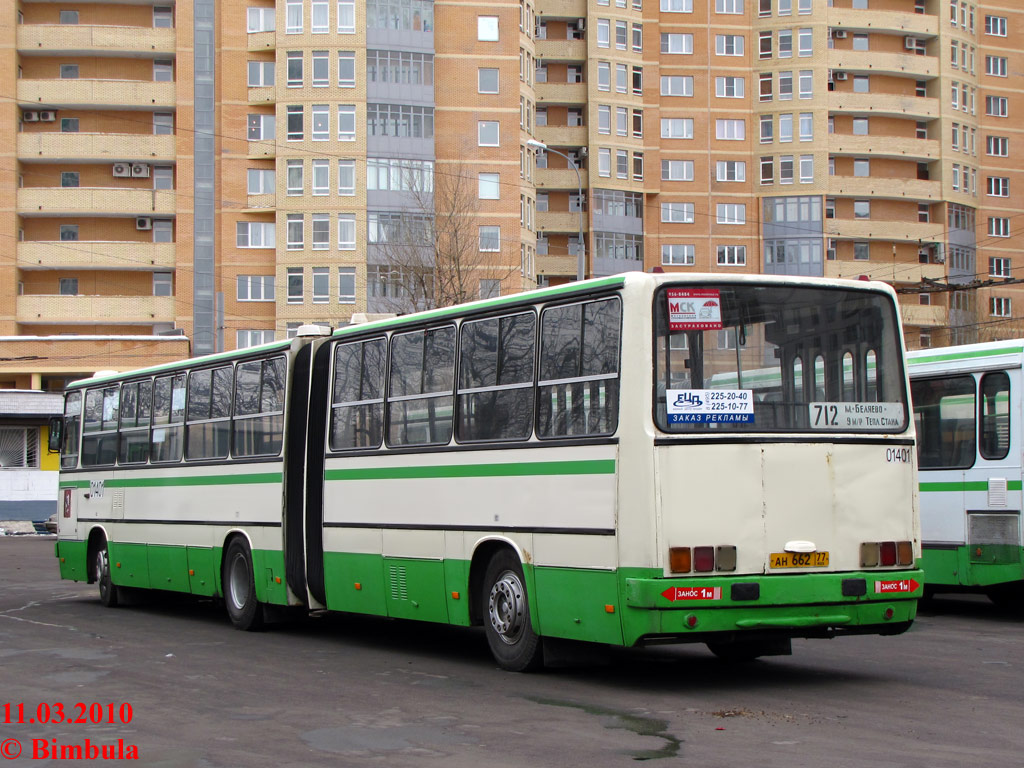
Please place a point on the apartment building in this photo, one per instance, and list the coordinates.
(190, 177)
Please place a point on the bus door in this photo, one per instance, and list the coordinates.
(945, 410)
(992, 493)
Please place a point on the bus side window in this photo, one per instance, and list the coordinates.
(421, 387)
(136, 400)
(99, 439)
(945, 414)
(208, 427)
(168, 417)
(357, 410)
(495, 399)
(578, 384)
(72, 430)
(259, 407)
(995, 415)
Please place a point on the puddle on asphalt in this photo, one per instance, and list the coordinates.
(638, 724)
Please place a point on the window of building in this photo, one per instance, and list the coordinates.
(677, 213)
(860, 41)
(258, 19)
(732, 255)
(676, 42)
(346, 122)
(346, 285)
(730, 130)
(731, 213)
(489, 238)
(862, 209)
(246, 339)
(163, 16)
(163, 231)
(785, 169)
(295, 285)
(861, 84)
(729, 45)
(261, 74)
(487, 133)
(321, 285)
(68, 232)
(999, 226)
(163, 71)
(68, 286)
(488, 186)
(69, 125)
(995, 65)
(320, 122)
(785, 86)
(677, 170)
(487, 80)
(296, 231)
(862, 251)
(163, 284)
(1000, 306)
(346, 232)
(678, 255)
(259, 127)
(294, 122)
(806, 77)
(255, 288)
(321, 231)
(861, 166)
(319, 17)
(997, 146)
(293, 17)
(806, 169)
(995, 25)
(252, 234)
(729, 87)
(487, 29)
(786, 127)
(69, 179)
(805, 42)
(676, 85)
(347, 17)
(995, 106)
(731, 170)
(860, 126)
(998, 186)
(785, 38)
(999, 267)
(767, 170)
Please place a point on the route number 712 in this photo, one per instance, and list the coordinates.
(825, 415)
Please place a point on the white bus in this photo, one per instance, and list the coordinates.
(967, 410)
(564, 463)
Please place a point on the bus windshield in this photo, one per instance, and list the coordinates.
(761, 358)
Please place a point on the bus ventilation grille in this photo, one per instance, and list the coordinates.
(398, 587)
(993, 529)
(997, 492)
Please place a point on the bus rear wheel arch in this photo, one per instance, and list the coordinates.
(238, 585)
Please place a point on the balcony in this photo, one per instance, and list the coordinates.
(262, 95)
(563, 9)
(95, 201)
(882, 187)
(894, 147)
(561, 93)
(53, 146)
(560, 178)
(562, 135)
(881, 229)
(262, 149)
(886, 104)
(556, 265)
(560, 221)
(561, 50)
(261, 203)
(92, 310)
(889, 273)
(262, 41)
(87, 40)
(873, 20)
(923, 315)
(866, 62)
(157, 257)
(96, 94)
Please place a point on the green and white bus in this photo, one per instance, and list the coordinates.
(563, 463)
(967, 410)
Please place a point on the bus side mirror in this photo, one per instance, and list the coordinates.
(56, 437)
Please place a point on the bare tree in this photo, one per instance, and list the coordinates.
(432, 253)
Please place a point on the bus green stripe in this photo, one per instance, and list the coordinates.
(252, 478)
(521, 469)
(972, 485)
(922, 360)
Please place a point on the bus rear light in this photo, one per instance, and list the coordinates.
(887, 552)
(904, 553)
(703, 559)
(725, 558)
(691, 621)
(679, 560)
(869, 554)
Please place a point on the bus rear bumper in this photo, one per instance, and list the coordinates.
(797, 605)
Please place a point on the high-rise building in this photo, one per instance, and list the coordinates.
(205, 175)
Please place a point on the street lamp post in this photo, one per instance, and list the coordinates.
(580, 253)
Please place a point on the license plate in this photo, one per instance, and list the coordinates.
(798, 560)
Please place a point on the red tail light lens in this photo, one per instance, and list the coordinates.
(703, 559)
(887, 552)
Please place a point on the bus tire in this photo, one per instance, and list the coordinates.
(505, 609)
(239, 587)
(109, 592)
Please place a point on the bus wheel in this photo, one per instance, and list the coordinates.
(244, 610)
(506, 611)
(101, 573)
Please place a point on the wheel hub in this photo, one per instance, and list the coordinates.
(239, 582)
(506, 607)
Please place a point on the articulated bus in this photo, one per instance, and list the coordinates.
(967, 410)
(559, 464)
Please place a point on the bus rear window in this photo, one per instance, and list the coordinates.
(759, 358)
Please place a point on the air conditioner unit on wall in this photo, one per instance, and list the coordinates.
(140, 170)
(839, 34)
(581, 24)
(122, 170)
(30, 116)
(910, 43)
(143, 222)
(838, 75)
(48, 116)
